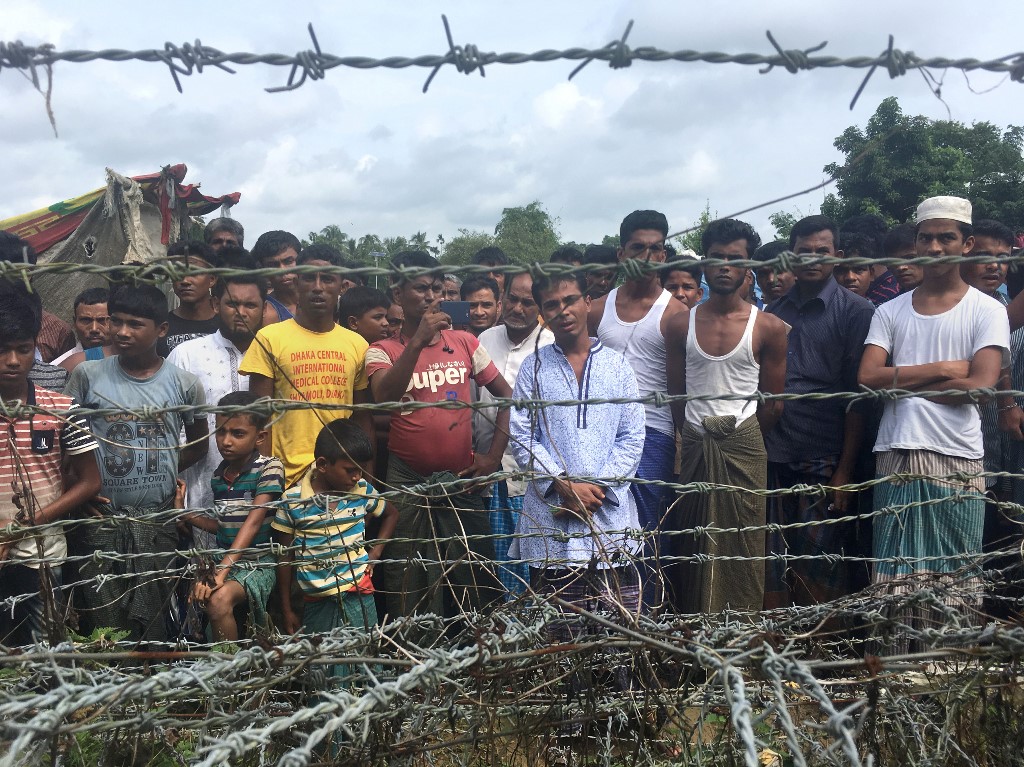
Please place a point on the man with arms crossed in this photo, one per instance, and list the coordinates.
(944, 336)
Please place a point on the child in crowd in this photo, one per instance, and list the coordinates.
(683, 283)
(365, 310)
(321, 524)
(856, 279)
(35, 493)
(244, 484)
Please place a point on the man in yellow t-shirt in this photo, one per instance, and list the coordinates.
(309, 359)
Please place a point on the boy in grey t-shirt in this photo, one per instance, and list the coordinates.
(139, 459)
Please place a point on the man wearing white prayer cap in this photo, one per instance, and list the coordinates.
(942, 336)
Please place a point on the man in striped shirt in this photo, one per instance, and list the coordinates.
(33, 494)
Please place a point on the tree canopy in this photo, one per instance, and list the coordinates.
(527, 233)
(899, 160)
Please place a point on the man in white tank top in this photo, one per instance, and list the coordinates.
(632, 320)
(724, 348)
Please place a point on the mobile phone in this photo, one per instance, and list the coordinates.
(457, 310)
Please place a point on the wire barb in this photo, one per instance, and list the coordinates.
(310, 62)
(466, 59)
(894, 60)
(620, 55)
(792, 60)
(190, 57)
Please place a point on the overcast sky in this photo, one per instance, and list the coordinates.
(368, 151)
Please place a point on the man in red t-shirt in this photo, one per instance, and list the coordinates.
(427, 362)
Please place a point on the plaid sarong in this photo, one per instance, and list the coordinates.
(931, 538)
(613, 592)
(504, 511)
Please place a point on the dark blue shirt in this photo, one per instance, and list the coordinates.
(882, 289)
(824, 351)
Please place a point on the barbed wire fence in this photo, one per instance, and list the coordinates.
(806, 684)
(313, 64)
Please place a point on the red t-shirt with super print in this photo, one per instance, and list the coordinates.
(435, 439)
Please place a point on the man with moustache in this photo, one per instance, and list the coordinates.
(815, 442)
(91, 323)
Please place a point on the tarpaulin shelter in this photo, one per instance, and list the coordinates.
(131, 220)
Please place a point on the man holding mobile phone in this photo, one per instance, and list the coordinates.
(429, 363)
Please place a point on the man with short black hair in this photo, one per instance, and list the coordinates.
(214, 359)
(567, 254)
(632, 320)
(724, 347)
(600, 281)
(519, 335)
(442, 550)
(55, 336)
(140, 456)
(35, 493)
(815, 442)
(578, 509)
(901, 243)
(278, 249)
(91, 323)
(774, 281)
(492, 256)
(194, 316)
(482, 294)
(309, 359)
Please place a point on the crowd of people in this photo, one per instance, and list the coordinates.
(392, 391)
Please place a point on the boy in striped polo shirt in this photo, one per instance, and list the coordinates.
(35, 493)
(321, 523)
(244, 484)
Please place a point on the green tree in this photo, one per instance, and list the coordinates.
(691, 239)
(333, 235)
(783, 221)
(460, 249)
(899, 160)
(610, 239)
(527, 233)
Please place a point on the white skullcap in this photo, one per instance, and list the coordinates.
(953, 208)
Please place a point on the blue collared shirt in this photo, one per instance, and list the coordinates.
(586, 440)
(824, 350)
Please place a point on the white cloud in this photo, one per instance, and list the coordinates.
(560, 103)
(365, 163)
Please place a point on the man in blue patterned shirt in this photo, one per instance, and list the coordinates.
(579, 518)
